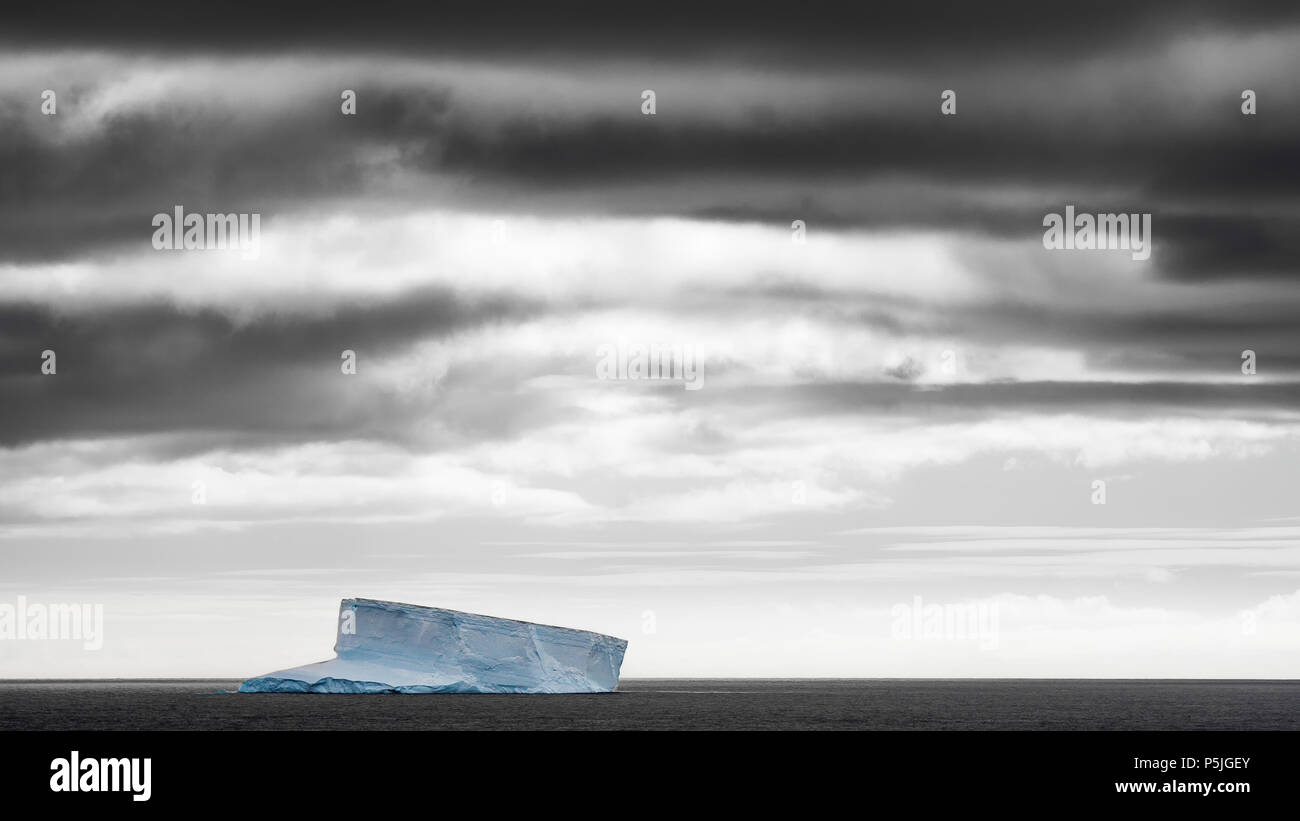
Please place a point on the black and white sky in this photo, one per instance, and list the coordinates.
(916, 401)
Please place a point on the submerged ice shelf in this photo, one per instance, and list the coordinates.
(388, 647)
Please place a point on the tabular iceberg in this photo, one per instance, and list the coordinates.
(388, 647)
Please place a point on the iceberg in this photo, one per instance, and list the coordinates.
(389, 647)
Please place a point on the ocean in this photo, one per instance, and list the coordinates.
(671, 704)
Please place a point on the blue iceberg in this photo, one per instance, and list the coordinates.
(388, 647)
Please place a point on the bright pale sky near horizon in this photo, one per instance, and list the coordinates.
(913, 406)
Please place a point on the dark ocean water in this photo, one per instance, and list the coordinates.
(666, 704)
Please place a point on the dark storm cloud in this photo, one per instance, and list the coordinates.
(1033, 116)
(1223, 189)
(1216, 167)
(813, 31)
(1208, 247)
(58, 200)
(157, 369)
(909, 139)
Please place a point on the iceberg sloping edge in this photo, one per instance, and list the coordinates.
(390, 647)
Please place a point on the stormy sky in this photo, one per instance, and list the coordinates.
(917, 400)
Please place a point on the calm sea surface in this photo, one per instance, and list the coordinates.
(666, 704)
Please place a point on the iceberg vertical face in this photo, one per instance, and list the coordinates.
(388, 647)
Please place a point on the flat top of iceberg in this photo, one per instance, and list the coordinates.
(420, 611)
